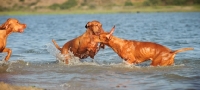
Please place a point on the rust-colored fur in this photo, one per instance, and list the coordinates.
(134, 52)
(83, 46)
(11, 25)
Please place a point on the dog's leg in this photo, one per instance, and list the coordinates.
(167, 60)
(156, 61)
(66, 55)
(66, 60)
(9, 51)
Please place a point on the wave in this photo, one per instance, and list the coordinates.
(176, 77)
(3, 68)
(76, 62)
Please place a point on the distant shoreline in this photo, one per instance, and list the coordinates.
(108, 11)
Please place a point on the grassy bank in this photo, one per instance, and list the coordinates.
(108, 11)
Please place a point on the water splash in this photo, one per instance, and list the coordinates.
(60, 57)
(51, 49)
(3, 55)
(73, 61)
(65, 85)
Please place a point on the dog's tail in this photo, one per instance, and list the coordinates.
(182, 50)
(56, 45)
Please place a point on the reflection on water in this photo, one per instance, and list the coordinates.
(35, 61)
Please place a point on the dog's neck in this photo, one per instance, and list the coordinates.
(5, 32)
(8, 32)
(4, 35)
(116, 43)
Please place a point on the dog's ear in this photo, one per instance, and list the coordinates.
(111, 32)
(4, 26)
(87, 25)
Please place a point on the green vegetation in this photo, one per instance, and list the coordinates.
(66, 5)
(94, 11)
(21, 0)
(55, 6)
(2, 8)
(170, 2)
(93, 7)
(128, 3)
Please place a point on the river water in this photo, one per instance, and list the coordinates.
(33, 61)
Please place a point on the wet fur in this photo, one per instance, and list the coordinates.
(10, 26)
(83, 46)
(134, 52)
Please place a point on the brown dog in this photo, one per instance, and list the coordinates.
(83, 46)
(135, 52)
(11, 25)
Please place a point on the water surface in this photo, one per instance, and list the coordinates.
(33, 61)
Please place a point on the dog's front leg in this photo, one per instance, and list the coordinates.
(9, 51)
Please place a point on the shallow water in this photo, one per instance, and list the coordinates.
(33, 61)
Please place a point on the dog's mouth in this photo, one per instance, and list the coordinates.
(21, 30)
(97, 33)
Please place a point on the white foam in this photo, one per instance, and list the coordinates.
(52, 50)
(2, 62)
(60, 57)
(65, 85)
(123, 65)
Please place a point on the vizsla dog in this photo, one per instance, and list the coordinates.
(11, 25)
(134, 52)
(83, 46)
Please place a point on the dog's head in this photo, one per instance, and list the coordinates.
(95, 27)
(104, 37)
(14, 25)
